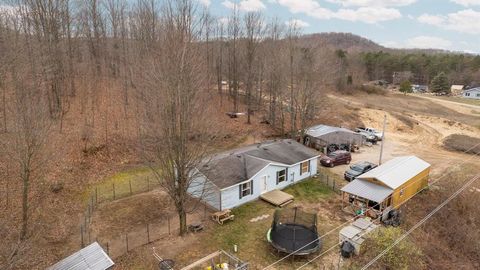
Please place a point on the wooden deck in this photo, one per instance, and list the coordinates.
(277, 198)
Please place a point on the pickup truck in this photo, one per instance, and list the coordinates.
(370, 131)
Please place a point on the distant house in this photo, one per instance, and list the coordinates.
(473, 93)
(457, 89)
(233, 178)
(387, 186)
(321, 137)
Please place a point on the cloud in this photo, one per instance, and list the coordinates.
(245, 5)
(428, 42)
(298, 23)
(205, 2)
(371, 3)
(431, 19)
(465, 21)
(368, 14)
(467, 3)
(363, 14)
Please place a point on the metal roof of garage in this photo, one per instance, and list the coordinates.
(319, 130)
(91, 257)
(367, 190)
(397, 171)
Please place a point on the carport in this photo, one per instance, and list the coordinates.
(321, 137)
(362, 194)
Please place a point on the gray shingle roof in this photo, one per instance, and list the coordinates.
(91, 257)
(230, 168)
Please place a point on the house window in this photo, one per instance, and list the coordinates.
(246, 189)
(281, 176)
(478, 94)
(467, 94)
(304, 167)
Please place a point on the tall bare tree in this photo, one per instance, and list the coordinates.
(253, 36)
(234, 35)
(176, 128)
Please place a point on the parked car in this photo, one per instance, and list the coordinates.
(370, 131)
(357, 169)
(336, 158)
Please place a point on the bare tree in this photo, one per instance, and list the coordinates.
(234, 34)
(176, 128)
(253, 37)
(307, 89)
(292, 34)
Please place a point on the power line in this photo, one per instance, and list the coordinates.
(337, 244)
(418, 224)
(348, 221)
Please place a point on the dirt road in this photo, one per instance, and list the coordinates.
(457, 106)
(412, 134)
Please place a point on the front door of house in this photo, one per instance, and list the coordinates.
(264, 184)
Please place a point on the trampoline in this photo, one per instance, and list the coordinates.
(294, 231)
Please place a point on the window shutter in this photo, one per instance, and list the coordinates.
(277, 177)
(240, 189)
(251, 187)
(286, 174)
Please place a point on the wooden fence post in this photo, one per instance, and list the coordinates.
(130, 184)
(113, 189)
(148, 183)
(81, 234)
(333, 184)
(126, 240)
(96, 194)
(168, 225)
(148, 234)
(108, 249)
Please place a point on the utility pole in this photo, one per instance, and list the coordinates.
(383, 139)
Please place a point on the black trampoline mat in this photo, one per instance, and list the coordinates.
(291, 237)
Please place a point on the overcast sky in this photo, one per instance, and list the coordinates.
(442, 24)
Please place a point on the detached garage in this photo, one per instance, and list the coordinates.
(387, 186)
(322, 137)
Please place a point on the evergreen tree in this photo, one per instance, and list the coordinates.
(440, 83)
(406, 87)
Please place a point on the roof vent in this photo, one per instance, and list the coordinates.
(265, 149)
(239, 156)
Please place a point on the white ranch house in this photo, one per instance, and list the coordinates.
(473, 93)
(233, 178)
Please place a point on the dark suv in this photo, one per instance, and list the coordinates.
(357, 169)
(336, 158)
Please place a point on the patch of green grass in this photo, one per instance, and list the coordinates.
(250, 237)
(309, 190)
(123, 184)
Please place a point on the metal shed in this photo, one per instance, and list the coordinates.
(322, 136)
(91, 257)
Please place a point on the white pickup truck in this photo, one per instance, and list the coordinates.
(371, 131)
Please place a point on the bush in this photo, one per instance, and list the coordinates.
(371, 89)
(405, 255)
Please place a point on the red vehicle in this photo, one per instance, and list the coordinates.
(336, 158)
